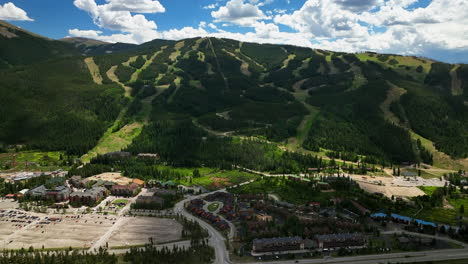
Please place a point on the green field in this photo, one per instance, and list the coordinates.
(32, 160)
(120, 201)
(290, 191)
(428, 190)
(215, 179)
(213, 207)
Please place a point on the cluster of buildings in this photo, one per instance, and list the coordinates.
(129, 190)
(319, 242)
(23, 176)
(89, 196)
(196, 207)
(59, 193)
(124, 154)
(228, 204)
(343, 240)
(157, 198)
(402, 219)
(279, 244)
(81, 192)
(405, 220)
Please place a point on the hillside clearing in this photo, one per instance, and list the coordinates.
(111, 75)
(130, 60)
(456, 82)
(174, 55)
(441, 160)
(148, 62)
(244, 68)
(286, 61)
(93, 70)
(114, 141)
(393, 95)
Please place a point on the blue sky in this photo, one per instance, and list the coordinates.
(431, 28)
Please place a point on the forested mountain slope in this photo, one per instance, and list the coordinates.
(190, 92)
(20, 47)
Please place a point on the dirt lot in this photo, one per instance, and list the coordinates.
(391, 190)
(138, 231)
(21, 230)
(395, 186)
(112, 177)
(69, 232)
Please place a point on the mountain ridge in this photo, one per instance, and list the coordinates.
(330, 100)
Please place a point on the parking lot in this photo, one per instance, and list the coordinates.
(138, 230)
(20, 229)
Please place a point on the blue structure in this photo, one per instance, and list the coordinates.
(404, 218)
(401, 217)
(378, 215)
(422, 222)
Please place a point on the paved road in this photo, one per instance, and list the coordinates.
(222, 254)
(407, 257)
(444, 238)
(216, 240)
(121, 220)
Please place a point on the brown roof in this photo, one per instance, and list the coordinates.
(138, 181)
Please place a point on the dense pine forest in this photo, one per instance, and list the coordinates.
(199, 101)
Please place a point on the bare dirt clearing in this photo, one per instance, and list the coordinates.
(395, 186)
(93, 70)
(139, 230)
(112, 177)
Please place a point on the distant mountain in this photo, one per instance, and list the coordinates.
(21, 47)
(96, 47)
(379, 108)
(83, 41)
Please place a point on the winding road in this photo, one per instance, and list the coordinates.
(217, 241)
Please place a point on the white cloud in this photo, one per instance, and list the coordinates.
(324, 18)
(93, 34)
(11, 12)
(388, 26)
(347, 25)
(358, 5)
(136, 6)
(238, 12)
(211, 6)
(117, 14)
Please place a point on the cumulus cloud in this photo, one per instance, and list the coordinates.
(93, 34)
(324, 19)
(11, 12)
(211, 6)
(117, 14)
(390, 26)
(358, 5)
(239, 12)
(137, 6)
(124, 16)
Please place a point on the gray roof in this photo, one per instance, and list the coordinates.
(278, 240)
(339, 237)
(93, 192)
(150, 199)
(38, 191)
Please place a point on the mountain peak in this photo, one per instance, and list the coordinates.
(83, 41)
(9, 31)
